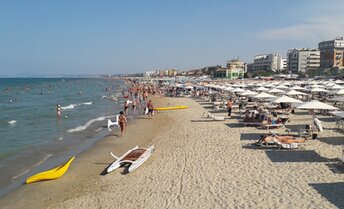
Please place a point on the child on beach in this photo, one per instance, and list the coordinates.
(122, 121)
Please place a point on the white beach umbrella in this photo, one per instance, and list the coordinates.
(264, 95)
(294, 92)
(339, 82)
(237, 90)
(276, 91)
(338, 114)
(262, 89)
(340, 92)
(270, 85)
(316, 105)
(188, 87)
(297, 88)
(228, 88)
(317, 86)
(286, 99)
(282, 87)
(337, 99)
(312, 82)
(318, 90)
(248, 93)
(336, 86)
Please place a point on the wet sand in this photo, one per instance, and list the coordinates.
(198, 164)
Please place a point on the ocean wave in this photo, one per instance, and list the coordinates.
(83, 127)
(72, 106)
(12, 122)
(112, 97)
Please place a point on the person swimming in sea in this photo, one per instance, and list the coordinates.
(58, 110)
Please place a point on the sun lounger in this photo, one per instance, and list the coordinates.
(213, 117)
(270, 126)
(286, 145)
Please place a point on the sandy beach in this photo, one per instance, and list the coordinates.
(198, 163)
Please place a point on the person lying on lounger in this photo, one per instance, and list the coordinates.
(281, 139)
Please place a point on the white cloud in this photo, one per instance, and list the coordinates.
(324, 21)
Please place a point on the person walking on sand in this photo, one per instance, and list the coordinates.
(58, 110)
(122, 121)
(126, 106)
(229, 107)
(150, 109)
(133, 104)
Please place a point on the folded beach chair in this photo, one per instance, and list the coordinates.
(212, 117)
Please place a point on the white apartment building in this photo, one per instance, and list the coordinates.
(267, 63)
(302, 60)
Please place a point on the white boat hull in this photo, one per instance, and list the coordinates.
(135, 163)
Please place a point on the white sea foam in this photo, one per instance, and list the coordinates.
(72, 106)
(60, 138)
(83, 127)
(12, 122)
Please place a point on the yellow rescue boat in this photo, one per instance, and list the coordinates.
(170, 108)
(51, 174)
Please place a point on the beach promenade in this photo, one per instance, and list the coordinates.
(197, 163)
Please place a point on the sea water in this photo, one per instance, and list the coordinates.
(31, 134)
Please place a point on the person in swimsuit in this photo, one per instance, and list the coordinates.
(134, 107)
(229, 107)
(122, 121)
(150, 109)
(126, 106)
(58, 111)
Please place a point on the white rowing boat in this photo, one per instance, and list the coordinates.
(135, 156)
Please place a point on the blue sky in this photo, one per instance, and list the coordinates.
(96, 37)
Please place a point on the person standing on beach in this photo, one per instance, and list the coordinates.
(122, 121)
(58, 110)
(126, 106)
(133, 104)
(150, 109)
(229, 107)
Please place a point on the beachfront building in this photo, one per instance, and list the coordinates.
(300, 61)
(151, 73)
(171, 72)
(332, 53)
(235, 69)
(266, 63)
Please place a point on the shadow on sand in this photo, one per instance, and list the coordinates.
(333, 192)
(295, 156)
(339, 140)
(235, 125)
(250, 136)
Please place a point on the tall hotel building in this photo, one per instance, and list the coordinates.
(332, 53)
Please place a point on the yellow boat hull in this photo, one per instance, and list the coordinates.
(171, 108)
(51, 174)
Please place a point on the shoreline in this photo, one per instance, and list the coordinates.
(197, 163)
(118, 145)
